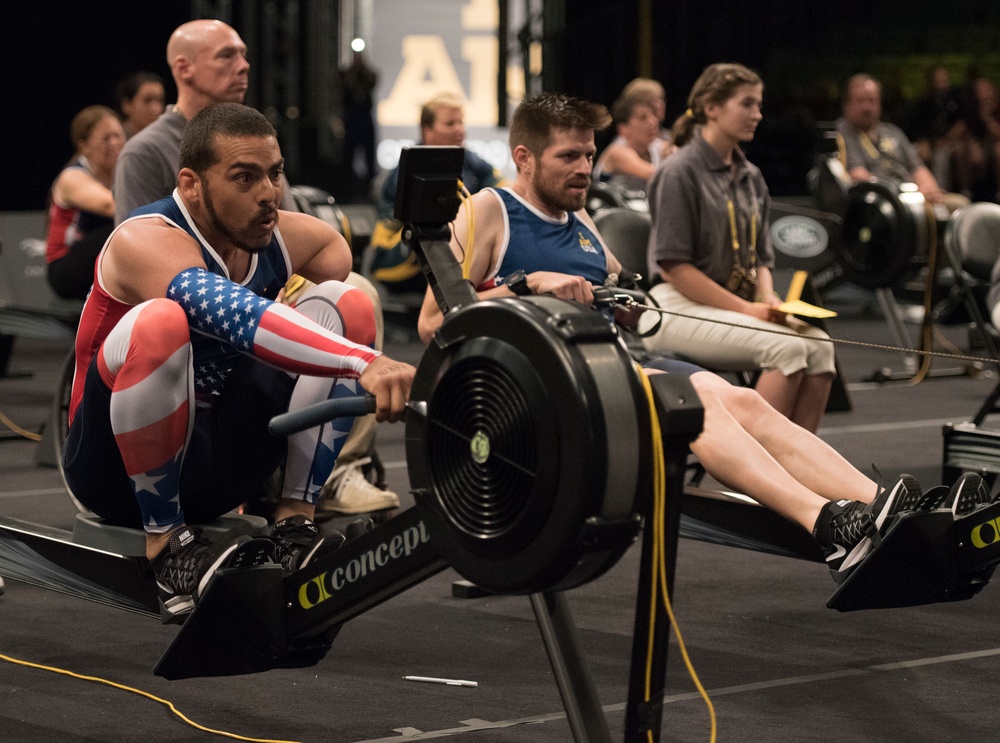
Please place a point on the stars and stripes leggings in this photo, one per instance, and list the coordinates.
(140, 452)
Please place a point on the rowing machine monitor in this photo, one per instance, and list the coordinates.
(426, 201)
(427, 194)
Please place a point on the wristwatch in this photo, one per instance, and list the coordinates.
(517, 282)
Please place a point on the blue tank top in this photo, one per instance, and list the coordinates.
(536, 242)
(269, 270)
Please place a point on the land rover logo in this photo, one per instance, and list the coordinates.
(798, 236)
(480, 447)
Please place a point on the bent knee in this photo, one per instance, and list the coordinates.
(794, 355)
(359, 316)
(163, 320)
(739, 402)
(341, 308)
(153, 331)
(747, 401)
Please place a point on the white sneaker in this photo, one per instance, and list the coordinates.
(348, 491)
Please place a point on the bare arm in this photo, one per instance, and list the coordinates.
(488, 219)
(143, 257)
(487, 234)
(78, 189)
(698, 287)
(621, 158)
(927, 184)
(318, 252)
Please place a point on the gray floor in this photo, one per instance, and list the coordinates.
(776, 663)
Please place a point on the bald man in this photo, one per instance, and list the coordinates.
(208, 62)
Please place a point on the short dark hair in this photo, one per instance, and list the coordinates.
(128, 87)
(533, 121)
(220, 119)
(623, 109)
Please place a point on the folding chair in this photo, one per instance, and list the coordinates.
(626, 231)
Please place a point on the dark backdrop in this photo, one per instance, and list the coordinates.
(60, 55)
(803, 50)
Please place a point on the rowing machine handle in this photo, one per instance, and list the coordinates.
(322, 412)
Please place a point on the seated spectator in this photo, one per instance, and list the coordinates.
(82, 209)
(632, 157)
(442, 123)
(712, 248)
(653, 95)
(873, 147)
(140, 99)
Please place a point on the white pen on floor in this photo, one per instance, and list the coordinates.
(449, 682)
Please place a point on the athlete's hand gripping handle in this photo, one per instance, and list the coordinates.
(322, 412)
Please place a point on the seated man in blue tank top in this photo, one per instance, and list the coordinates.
(536, 238)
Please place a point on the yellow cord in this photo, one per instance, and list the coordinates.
(466, 197)
(659, 562)
(18, 430)
(143, 694)
(927, 323)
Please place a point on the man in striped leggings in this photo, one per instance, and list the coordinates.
(183, 357)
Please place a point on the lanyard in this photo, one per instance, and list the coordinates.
(874, 152)
(734, 231)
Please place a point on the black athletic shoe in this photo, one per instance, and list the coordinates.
(849, 529)
(298, 541)
(903, 496)
(188, 562)
(968, 493)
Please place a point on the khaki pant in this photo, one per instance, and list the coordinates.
(722, 347)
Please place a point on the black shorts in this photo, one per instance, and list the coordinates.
(230, 456)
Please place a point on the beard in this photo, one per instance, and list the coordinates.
(555, 197)
(233, 235)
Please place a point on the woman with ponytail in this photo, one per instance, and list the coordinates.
(711, 247)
